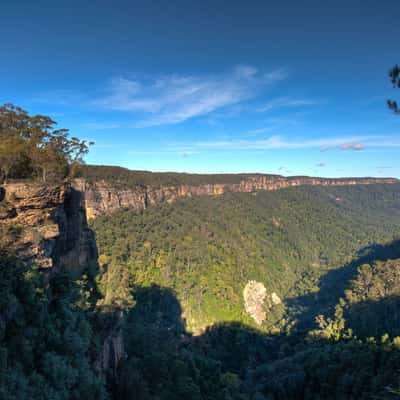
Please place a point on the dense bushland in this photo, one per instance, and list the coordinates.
(207, 249)
(48, 335)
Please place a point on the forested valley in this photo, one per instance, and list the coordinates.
(330, 255)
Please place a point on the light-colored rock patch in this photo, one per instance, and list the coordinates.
(254, 295)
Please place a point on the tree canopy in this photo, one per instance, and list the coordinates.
(32, 147)
(394, 75)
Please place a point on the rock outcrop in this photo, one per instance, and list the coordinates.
(113, 349)
(102, 197)
(276, 300)
(257, 301)
(254, 295)
(46, 225)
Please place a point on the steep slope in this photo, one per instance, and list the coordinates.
(50, 342)
(209, 248)
(46, 225)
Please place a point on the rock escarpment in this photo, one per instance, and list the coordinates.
(46, 225)
(103, 197)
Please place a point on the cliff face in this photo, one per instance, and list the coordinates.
(102, 197)
(46, 225)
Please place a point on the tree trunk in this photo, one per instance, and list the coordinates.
(5, 176)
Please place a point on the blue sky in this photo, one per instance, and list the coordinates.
(289, 87)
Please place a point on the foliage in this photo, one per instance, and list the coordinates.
(373, 300)
(47, 338)
(394, 75)
(234, 361)
(31, 146)
(207, 249)
(324, 247)
(125, 178)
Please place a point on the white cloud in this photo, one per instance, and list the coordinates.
(352, 146)
(279, 142)
(349, 143)
(286, 102)
(173, 99)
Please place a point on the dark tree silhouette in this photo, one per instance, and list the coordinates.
(394, 75)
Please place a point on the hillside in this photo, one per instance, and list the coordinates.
(208, 248)
(326, 253)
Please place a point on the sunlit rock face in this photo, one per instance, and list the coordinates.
(254, 295)
(276, 300)
(103, 197)
(257, 301)
(46, 225)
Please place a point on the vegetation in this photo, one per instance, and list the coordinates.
(123, 177)
(394, 75)
(48, 338)
(372, 301)
(173, 268)
(234, 361)
(337, 336)
(31, 147)
(208, 249)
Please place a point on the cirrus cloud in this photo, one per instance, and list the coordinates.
(352, 146)
(173, 99)
(277, 142)
(282, 102)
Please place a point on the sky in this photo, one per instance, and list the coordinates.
(283, 87)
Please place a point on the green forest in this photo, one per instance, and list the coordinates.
(207, 248)
(51, 335)
(125, 178)
(329, 253)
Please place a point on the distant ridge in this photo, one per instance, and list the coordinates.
(108, 189)
(126, 177)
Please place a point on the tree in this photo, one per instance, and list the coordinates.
(11, 155)
(394, 75)
(31, 146)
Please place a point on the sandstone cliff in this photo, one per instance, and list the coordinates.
(102, 196)
(46, 225)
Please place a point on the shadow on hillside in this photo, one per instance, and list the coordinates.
(232, 361)
(333, 284)
(375, 318)
(235, 361)
(229, 361)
